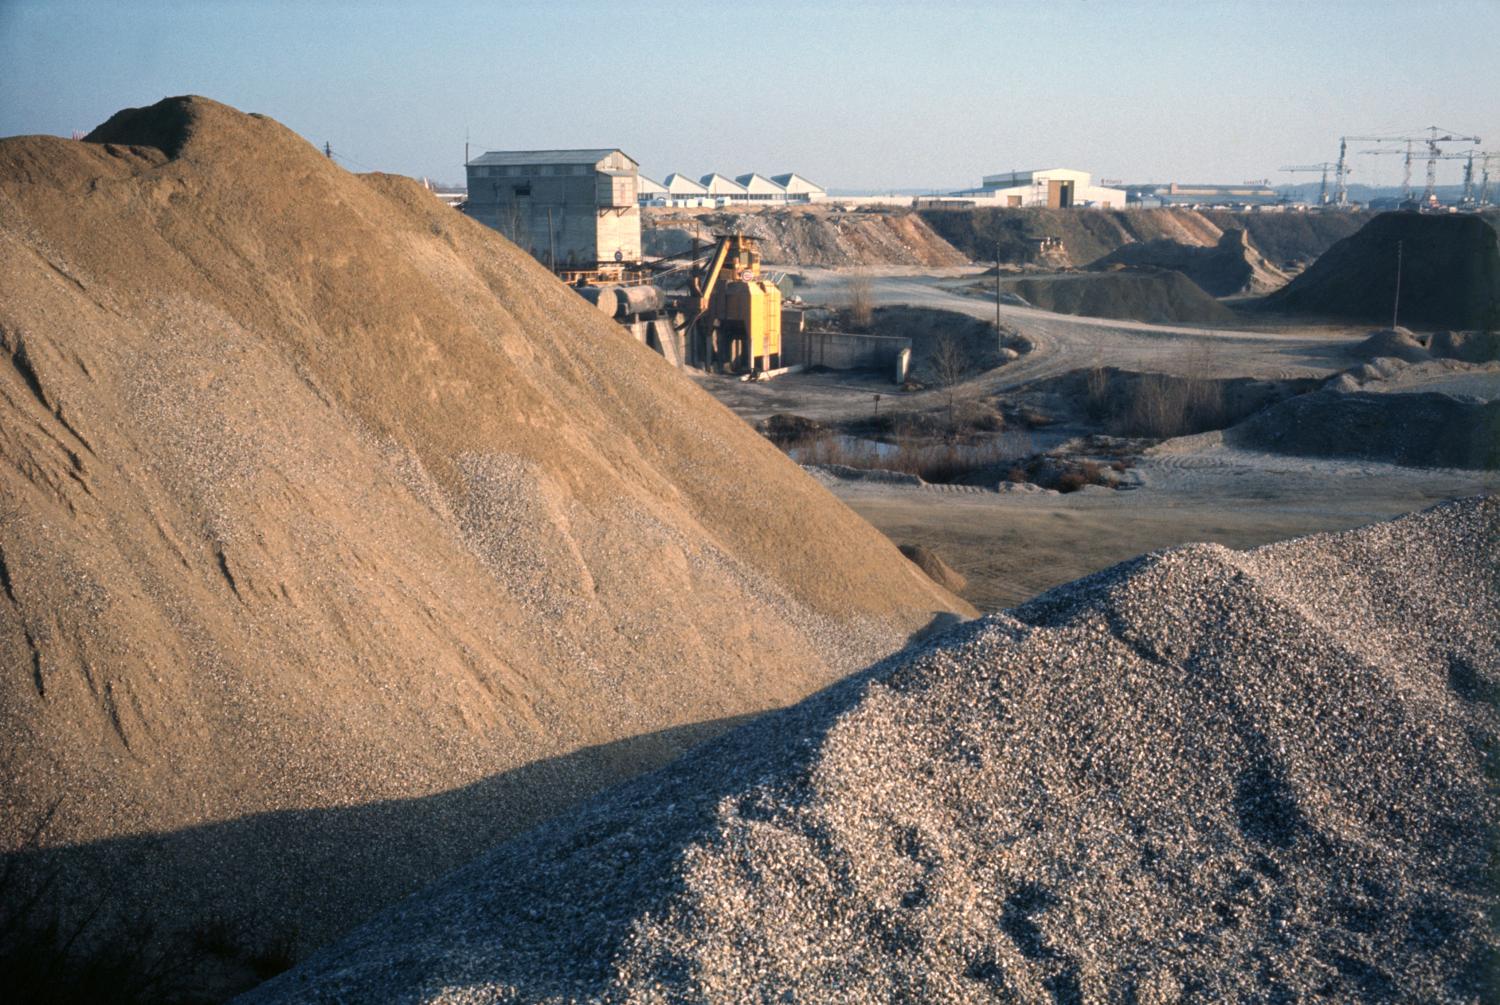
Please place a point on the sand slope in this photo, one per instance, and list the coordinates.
(315, 495)
(1202, 774)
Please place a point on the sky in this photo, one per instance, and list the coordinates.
(869, 95)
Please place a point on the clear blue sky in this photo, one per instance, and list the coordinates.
(853, 95)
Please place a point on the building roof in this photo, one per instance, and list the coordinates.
(536, 157)
(1014, 178)
(760, 183)
(796, 184)
(646, 186)
(681, 184)
(717, 184)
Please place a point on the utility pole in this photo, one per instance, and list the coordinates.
(999, 332)
(551, 243)
(1396, 307)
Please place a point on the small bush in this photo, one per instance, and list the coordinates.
(1071, 481)
(860, 294)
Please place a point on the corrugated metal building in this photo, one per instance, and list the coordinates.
(760, 189)
(1059, 188)
(574, 208)
(799, 189)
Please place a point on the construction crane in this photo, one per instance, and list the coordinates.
(1436, 135)
(1406, 173)
(1435, 154)
(1486, 158)
(1429, 197)
(1325, 167)
(1342, 169)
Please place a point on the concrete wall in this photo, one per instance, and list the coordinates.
(842, 350)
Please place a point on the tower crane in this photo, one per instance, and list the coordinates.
(1486, 158)
(1435, 135)
(1406, 173)
(1342, 170)
(1429, 197)
(1325, 167)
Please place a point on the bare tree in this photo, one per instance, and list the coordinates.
(950, 364)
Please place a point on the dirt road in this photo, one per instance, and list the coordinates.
(1066, 342)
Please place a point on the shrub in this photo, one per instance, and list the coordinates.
(860, 292)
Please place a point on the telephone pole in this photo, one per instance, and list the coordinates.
(999, 332)
(1396, 307)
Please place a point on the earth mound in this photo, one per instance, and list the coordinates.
(1059, 238)
(1231, 266)
(1471, 347)
(338, 540)
(1208, 774)
(810, 237)
(1160, 296)
(1449, 273)
(932, 564)
(1427, 429)
(1395, 343)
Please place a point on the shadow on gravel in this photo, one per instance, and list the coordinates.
(127, 919)
(123, 920)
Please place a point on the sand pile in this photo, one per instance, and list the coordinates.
(1231, 266)
(812, 237)
(1450, 273)
(1202, 775)
(932, 564)
(338, 540)
(1161, 296)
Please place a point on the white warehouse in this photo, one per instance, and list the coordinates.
(1058, 188)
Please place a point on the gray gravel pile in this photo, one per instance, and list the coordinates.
(1202, 775)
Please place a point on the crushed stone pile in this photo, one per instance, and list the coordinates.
(1471, 347)
(1160, 296)
(809, 237)
(339, 540)
(1450, 273)
(1077, 237)
(1231, 266)
(1392, 343)
(1201, 775)
(1422, 428)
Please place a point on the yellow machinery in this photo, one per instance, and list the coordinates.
(736, 315)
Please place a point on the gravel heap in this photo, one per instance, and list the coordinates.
(1425, 429)
(339, 541)
(1449, 273)
(1201, 775)
(1234, 265)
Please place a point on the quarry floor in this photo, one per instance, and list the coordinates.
(1012, 546)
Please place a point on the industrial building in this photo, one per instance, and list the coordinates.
(752, 189)
(1250, 193)
(760, 189)
(1057, 188)
(799, 189)
(569, 208)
